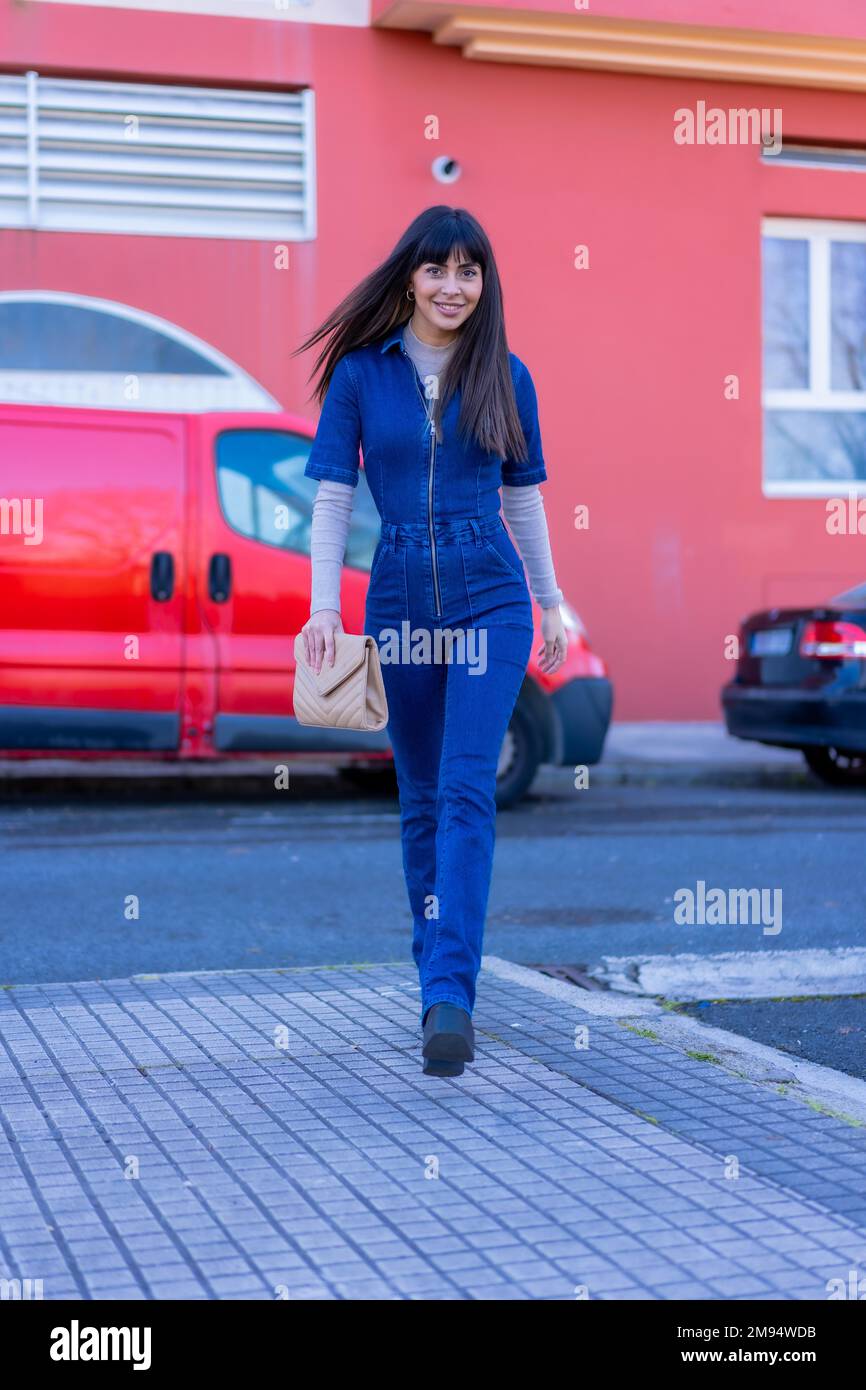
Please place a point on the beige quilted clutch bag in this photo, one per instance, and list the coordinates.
(348, 695)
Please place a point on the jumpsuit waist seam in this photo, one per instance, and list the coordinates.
(401, 533)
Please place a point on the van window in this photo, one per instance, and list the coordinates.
(264, 495)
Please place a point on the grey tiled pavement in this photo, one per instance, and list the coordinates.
(303, 1164)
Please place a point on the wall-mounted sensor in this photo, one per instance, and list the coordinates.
(446, 169)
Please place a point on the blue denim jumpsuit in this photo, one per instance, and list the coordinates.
(444, 560)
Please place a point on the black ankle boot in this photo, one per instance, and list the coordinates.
(433, 1068)
(448, 1035)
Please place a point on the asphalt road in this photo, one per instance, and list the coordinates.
(826, 1030)
(313, 875)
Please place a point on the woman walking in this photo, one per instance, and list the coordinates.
(418, 374)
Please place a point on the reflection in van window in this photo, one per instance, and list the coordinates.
(264, 495)
(41, 336)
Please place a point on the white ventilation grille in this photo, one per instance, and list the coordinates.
(156, 160)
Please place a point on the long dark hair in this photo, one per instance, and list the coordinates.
(479, 362)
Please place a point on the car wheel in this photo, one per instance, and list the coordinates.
(836, 767)
(519, 758)
(375, 781)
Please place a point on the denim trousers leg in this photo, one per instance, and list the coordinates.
(478, 708)
(447, 721)
(416, 705)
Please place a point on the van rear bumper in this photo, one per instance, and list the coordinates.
(583, 707)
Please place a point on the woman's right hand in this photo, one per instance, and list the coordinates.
(318, 633)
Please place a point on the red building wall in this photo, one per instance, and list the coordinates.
(630, 356)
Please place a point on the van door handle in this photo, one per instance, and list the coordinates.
(162, 576)
(219, 579)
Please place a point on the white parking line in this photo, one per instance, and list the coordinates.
(737, 974)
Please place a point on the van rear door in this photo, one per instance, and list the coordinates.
(92, 579)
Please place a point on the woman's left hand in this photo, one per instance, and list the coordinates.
(552, 654)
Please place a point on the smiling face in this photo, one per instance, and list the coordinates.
(445, 296)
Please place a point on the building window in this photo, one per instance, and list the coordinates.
(265, 496)
(156, 160)
(345, 12)
(814, 360)
(69, 349)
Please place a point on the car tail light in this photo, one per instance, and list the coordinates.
(833, 641)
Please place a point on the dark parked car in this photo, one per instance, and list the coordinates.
(801, 683)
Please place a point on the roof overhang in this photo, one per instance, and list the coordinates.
(582, 40)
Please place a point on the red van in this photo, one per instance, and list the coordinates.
(154, 570)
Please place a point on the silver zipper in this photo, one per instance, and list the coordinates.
(430, 470)
(430, 521)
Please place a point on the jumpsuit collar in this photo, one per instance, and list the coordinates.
(395, 337)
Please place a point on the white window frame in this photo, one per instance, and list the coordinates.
(354, 13)
(819, 233)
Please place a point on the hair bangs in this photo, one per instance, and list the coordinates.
(449, 236)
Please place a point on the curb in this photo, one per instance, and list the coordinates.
(821, 1087)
